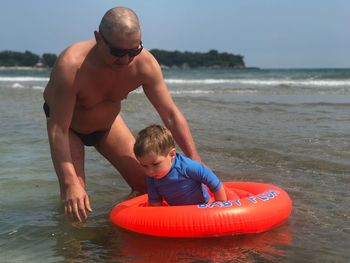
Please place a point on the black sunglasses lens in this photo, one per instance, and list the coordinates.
(118, 52)
(122, 52)
(134, 53)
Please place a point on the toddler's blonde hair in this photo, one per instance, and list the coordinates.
(153, 138)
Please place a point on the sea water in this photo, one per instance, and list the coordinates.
(290, 128)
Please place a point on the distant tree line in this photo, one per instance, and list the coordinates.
(196, 59)
(26, 59)
(166, 58)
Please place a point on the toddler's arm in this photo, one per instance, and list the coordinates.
(220, 194)
(155, 204)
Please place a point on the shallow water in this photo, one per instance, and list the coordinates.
(288, 128)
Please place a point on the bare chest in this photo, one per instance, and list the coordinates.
(95, 89)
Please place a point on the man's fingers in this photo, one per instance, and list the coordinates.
(76, 211)
(87, 204)
(81, 209)
(66, 208)
(71, 209)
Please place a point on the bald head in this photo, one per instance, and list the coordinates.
(119, 20)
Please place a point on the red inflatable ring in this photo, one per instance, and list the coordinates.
(251, 208)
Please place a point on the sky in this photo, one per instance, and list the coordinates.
(268, 33)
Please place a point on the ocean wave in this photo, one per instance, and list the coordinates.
(213, 81)
(202, 91)
(17, 85)
(205, 91)
(194, 86)
(23, 79)
(265, 82)
(38, 87)
(209, 81)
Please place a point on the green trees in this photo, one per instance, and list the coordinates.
(49, 59)
(211, 58)
(26, 59)
(195, 59)
(12, 58)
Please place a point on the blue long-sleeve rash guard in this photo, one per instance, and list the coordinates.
(184, 184)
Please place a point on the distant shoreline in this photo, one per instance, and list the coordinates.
(171, 59)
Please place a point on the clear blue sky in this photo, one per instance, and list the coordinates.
(268, 33)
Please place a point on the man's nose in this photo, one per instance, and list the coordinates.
(125, 59)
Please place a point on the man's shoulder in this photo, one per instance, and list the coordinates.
(74, 55)
(148, 57)
(69, 62)
(147, 64)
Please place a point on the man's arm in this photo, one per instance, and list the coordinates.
(158, 94)
(62, 98)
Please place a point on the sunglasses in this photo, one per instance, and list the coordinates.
(119, 52)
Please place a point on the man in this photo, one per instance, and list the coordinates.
(83, 100)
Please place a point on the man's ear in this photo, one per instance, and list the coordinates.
(97, 36)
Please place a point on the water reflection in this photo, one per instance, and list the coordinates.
(90, 243)
(269, 246)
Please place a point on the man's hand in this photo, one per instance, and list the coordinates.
(76, 202)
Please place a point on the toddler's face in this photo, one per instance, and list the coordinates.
(157, 166)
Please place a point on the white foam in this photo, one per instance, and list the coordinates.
(209, 81)
(265, 82)
(201, 91)
(38, 87)
(23, 79)
(17, 86)
(205, 91)
(199, 81)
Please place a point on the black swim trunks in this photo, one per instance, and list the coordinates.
(90, 139)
